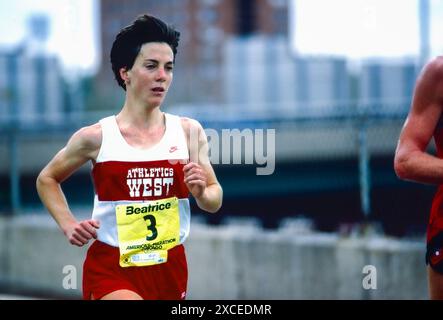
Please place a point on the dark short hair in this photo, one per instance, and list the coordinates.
(130, 39)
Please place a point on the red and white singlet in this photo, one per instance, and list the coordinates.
(130, 178)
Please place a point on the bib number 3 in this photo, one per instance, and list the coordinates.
(151, 227)
(147, 230)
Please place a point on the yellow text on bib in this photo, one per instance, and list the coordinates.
(146, 231)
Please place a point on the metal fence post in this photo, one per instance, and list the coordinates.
(364, 170)
(14, 174)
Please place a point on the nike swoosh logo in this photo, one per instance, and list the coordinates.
(173, 149)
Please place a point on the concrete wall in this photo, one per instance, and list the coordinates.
(233, 262)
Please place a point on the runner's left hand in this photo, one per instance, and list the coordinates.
(195, 179)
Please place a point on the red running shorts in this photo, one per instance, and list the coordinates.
(102, 275)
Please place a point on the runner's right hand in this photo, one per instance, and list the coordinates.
(79, 233)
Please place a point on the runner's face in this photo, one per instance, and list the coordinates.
(151, 74)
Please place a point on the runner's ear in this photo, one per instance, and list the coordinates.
(124, 75)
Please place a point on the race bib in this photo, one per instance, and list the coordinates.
(146, 231)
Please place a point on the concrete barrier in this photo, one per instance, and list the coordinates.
(232, 262)
(37, 257)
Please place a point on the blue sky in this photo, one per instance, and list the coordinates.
(354, 28)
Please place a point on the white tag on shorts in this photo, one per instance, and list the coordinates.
(154, 257)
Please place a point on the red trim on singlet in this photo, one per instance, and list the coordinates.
(436, 217)
(436, 259)
(111, 180)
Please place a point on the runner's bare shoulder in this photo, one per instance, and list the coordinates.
(433, 71)
(189, 124)
(87, 140)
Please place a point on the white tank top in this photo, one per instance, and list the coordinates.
(123, 174)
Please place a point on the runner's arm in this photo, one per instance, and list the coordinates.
(412, 162)
(199, 174)
(82, 147)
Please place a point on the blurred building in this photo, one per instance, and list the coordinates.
(387, 84)
(205, 26)
(261, 73)
(31, 84)
(425, 32)
(31, 88)
(322, 82)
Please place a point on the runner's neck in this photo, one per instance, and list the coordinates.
(141, 118)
